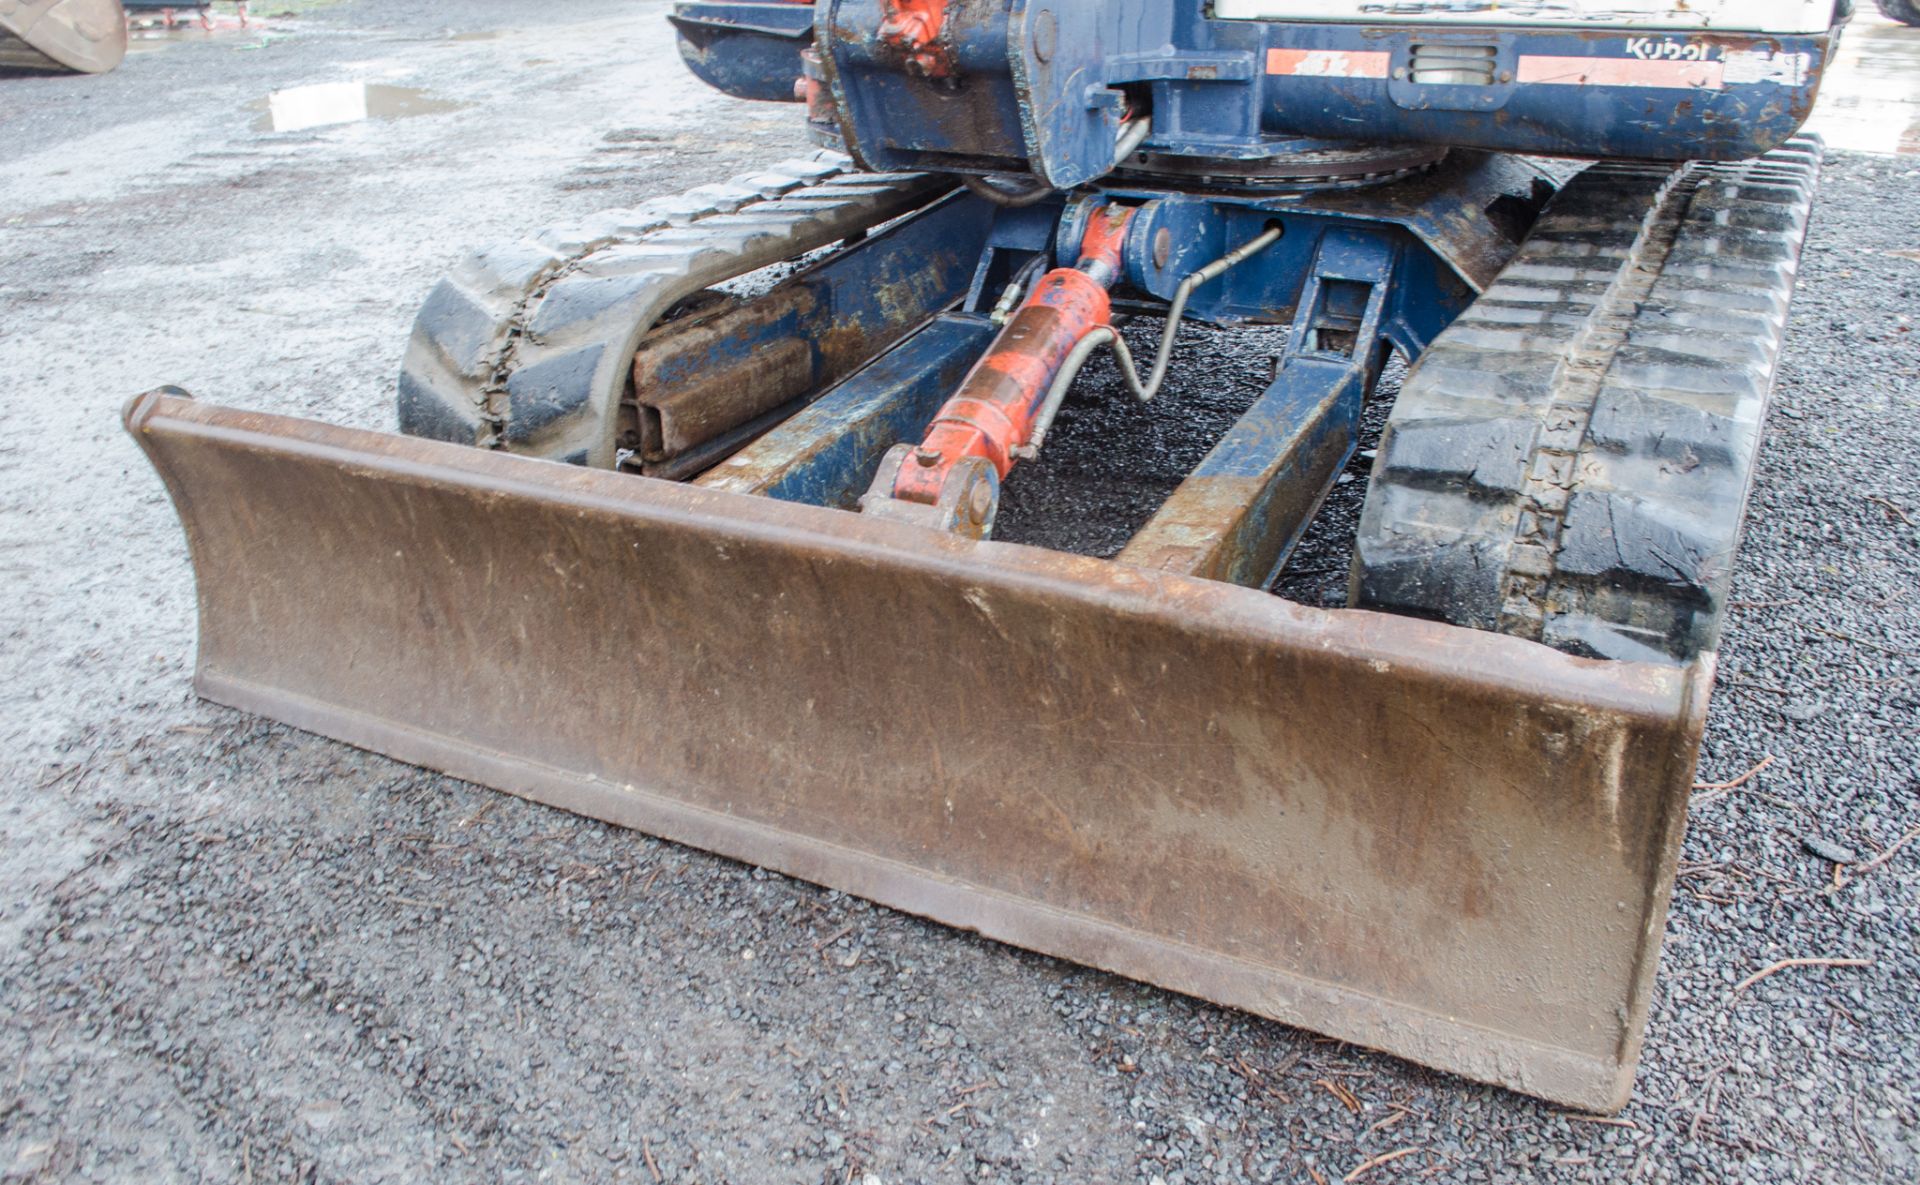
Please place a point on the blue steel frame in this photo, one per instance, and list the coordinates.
(749, 50)
(1238, 515)
(813, 328)
(1042, 86)
(1358, 274)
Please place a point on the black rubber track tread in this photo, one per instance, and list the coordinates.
(526, 346)
(1570, 461)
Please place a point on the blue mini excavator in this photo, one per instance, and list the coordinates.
(690, 521)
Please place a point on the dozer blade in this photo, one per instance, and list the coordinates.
(1451, 845)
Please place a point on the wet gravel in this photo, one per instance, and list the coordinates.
(230, 951)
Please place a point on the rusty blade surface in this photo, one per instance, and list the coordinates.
(1450, 845)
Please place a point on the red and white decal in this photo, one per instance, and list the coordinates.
(1329, 63)
(1541, 69)
(1670, 65)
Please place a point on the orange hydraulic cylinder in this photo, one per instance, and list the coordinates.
(994, 410)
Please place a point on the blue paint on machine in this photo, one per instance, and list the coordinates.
(1045, 87)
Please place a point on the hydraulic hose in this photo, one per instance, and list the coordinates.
(1123, 357)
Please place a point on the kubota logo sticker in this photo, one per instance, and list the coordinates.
(1656, 49)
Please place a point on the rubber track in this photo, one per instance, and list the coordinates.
(1570, 460)
(528, 346)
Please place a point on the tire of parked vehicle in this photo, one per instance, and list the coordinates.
(1907, 12)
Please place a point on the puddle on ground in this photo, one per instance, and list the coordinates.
(149, 40)
(325, 103)
(1870, 101)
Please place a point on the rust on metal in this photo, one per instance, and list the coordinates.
(1230, 528)
(684, 401)
(1239, 526)
(1454, 846)
(1452, 209)
(998, 408)
(824, 455)
(726, 367)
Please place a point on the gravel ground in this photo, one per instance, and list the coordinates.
(232, 951)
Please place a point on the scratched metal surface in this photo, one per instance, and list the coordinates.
(1437, 842)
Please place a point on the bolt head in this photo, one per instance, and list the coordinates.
(979, 501)
(1045, 31)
